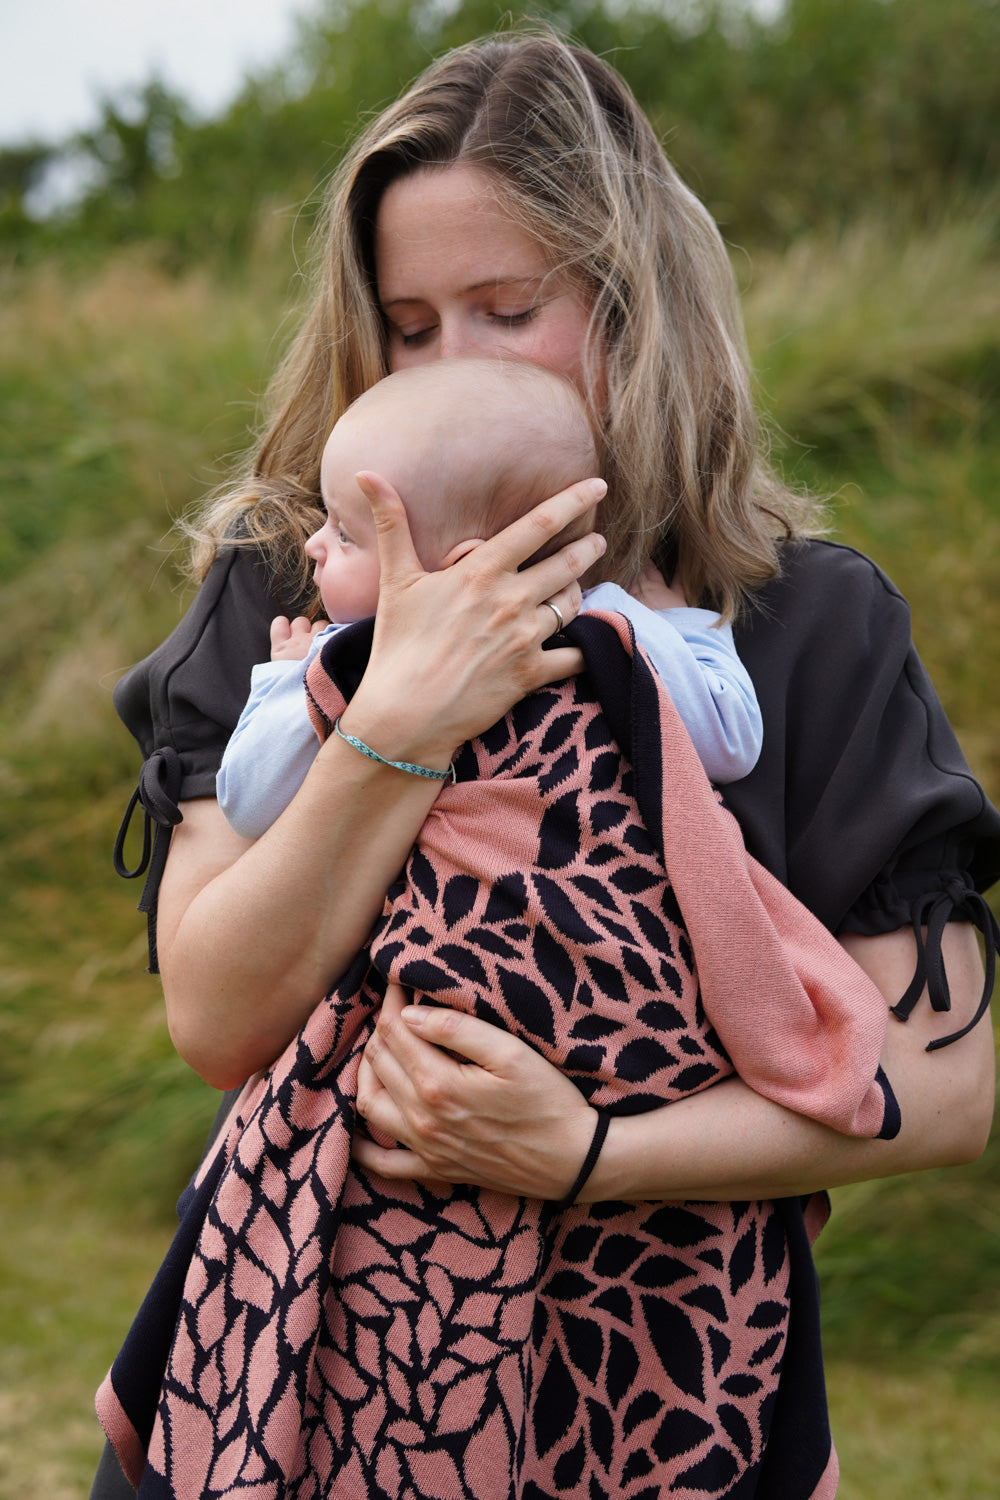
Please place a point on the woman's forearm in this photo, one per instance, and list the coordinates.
(730, 1143)
(744, 1146)
(248, 952)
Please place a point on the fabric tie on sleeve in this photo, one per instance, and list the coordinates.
(158, 791)
(933, 911)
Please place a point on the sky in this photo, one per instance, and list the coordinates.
(57, 57)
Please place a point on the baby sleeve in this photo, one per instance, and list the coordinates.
(695, 657)
(272, 747)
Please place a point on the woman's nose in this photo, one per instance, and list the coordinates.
(458, 340)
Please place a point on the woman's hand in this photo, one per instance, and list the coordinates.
(455, 649)
(510, 1121)
(514, 1123)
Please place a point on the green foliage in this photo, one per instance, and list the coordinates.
(873, 332)
(782, 126)
(879, 361)
(888, 1268)
(21, 169)
(110, 367)
(913, 1429)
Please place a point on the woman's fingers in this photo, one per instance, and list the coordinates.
(561, 610)
(549, 575)
(376, 1108)
(376, 1104)
(477, 1041)
(558, 664)
(369, 1086)
(394, 1163)
(513, 546)
(398, 559)
(405, 1068)
(554, 614)
(506, 1119)
(509, 549)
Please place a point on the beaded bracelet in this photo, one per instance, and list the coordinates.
(589, 1161)
(397, 765)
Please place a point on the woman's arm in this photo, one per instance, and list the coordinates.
(251, 936)
(515, 1124)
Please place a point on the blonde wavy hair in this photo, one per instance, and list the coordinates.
(573, 160)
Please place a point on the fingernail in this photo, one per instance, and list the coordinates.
(598, 488)
(413, 1015)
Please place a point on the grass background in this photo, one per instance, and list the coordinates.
(120, 387)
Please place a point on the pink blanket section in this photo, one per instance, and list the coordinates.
(343, 1334)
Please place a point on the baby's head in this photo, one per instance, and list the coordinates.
(469, 445)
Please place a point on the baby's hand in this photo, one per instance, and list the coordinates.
(290, 640)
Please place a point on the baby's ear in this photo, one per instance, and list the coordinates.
(460, 549)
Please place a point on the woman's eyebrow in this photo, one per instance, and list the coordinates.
(529, 279)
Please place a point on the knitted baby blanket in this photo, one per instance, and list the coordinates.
(317, 1330)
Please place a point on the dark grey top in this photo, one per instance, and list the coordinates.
(861, 802)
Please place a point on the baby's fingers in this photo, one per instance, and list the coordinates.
(281, 630)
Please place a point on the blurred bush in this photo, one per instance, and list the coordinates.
(783, 124)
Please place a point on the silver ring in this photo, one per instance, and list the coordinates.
(560, 622)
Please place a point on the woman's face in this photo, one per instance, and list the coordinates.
(456, 276)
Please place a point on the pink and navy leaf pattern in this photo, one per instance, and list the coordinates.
(333, 1333)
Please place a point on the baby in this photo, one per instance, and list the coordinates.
(470, 445)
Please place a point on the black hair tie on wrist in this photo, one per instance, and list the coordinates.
(589, 1161)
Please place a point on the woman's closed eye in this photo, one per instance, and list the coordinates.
(514, 319)
(414, 339)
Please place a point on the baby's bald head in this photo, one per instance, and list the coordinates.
(468, 444)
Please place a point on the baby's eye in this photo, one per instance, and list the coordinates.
(342, 537)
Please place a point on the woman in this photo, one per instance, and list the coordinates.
(516, 202)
